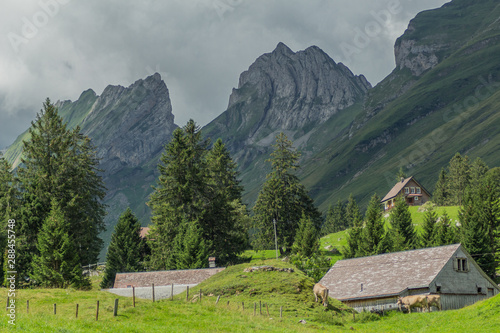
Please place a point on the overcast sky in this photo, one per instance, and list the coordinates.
(59, 48)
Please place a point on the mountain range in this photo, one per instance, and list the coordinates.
(441, 98)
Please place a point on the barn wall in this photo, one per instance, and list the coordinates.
(465, 283)
(452, 302)
(386, 304)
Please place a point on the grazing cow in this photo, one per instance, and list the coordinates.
(433, 300)
(416, 301)
(322, 291)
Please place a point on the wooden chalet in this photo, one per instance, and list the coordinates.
(376, 282)
(414, 193)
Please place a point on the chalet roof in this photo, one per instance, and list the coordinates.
(386, 274)
(396, 189)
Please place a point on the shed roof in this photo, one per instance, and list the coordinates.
(386, 274)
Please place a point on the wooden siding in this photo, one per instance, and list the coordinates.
(456, 301)
(379, 304)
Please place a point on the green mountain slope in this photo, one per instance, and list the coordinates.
(448, 108)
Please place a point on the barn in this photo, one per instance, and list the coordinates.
(376, 282)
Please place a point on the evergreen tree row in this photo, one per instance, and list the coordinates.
(196, 204)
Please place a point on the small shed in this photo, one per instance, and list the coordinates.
(376, 282)
(414, 193)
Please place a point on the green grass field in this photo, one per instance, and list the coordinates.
(240, 292)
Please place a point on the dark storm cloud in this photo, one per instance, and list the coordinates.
(59, 48)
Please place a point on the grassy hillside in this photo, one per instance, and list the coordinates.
(292, 291)
(450, 108)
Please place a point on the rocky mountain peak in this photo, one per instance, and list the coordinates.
(130, 125)
(297, 88)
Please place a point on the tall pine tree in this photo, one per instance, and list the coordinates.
(458, 178)
(430, 229)
(474, 231)
(282, 199)
(374, 232)
(353, 214)
(402, 225)
(125, 249)
(57, 264)
(59, 163)
(9, 206)
(441, 195)
(306, 239)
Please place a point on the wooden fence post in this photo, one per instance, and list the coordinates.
(172, 293)
(187, 293)
(54, 308)
(153, 286)
(28, 306)
(115, 312)
(76, 314)
(227, 303)
(243, 306)
(200, 296)
(353, 316)
(254, 308)
(7, 305)
(97, 312)
(281, 311)
(133, 295)
(267, 308)
(217, 301)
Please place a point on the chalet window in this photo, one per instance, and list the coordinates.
(416, 198)
(461, 264)
(407, 190)
(418, 190)
(412, 190)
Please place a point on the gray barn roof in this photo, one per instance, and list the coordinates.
(386, 274)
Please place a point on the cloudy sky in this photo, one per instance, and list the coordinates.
(59, 48)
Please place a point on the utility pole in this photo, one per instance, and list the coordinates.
(275, 238)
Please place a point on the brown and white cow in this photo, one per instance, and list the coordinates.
(433, 300)
(322, 291)
(410, 302)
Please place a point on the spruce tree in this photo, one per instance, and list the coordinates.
(227, 237)
(57, 264)
(9, 205)
(125, 249)
(353, 214)
(180, 194)
(474, 231)
(444, 232)
(441, 195)
(59, 163)
(336, 219)
(374, 231)
(306, 239)
(401, 222)
(478, 171)
(430, 229)
(328, 226)
(282, 199)
(191, 249)
(458, 178)
(354, 240)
